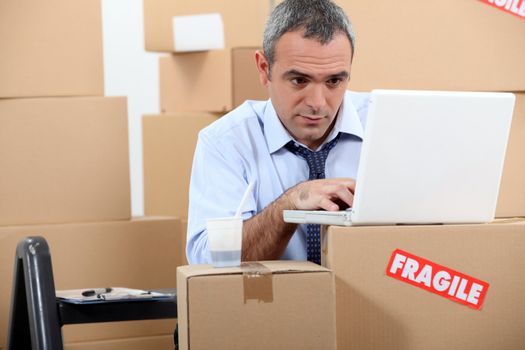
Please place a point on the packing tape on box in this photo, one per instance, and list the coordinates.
(257, 282)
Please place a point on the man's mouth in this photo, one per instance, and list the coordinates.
(312, 118)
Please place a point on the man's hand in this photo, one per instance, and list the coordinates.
(327, 194)
(266, 235)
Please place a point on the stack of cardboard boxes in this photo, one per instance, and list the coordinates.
(196, 88)
(65, 169)
(436, 45)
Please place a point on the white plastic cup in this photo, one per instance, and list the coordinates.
(225, 241)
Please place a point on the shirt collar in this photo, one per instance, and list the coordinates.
(274, 131)
(347, 122)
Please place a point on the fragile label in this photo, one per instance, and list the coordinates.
(437, 279)
(515, 7)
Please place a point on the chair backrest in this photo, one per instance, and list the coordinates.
(33, 322)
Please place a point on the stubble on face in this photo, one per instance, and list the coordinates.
(308, 84)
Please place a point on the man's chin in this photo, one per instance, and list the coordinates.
(312, 139)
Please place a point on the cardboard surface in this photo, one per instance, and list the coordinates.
(151, 343)
(141, 253)
(245, 77)
(437, 45)
(212, 81)
(268, 305)
(511, 200)
(375, 311)
(51, 48)
(168, 146)
(64, 160)
(239, 30)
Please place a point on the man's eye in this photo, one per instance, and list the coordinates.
(299, 81)
(334, 82)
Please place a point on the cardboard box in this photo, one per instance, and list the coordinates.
(436, 45)
(51, 48)
(511, 200)
(168, 146)
(64, 160)
(141, 253)
(239, 30)
(151, 343)
(267, 305)
(376, 311)
(211, 81)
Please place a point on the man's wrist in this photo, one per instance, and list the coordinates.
(288, 199)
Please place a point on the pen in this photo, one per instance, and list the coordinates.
(92, 292)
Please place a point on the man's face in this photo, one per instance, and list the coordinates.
(307, 83)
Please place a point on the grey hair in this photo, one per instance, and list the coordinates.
(320, 20)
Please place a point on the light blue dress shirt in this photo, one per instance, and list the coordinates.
(246, 145)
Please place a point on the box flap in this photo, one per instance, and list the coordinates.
(275, 266)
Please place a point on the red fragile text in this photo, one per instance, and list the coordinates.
(437, 279)
(516, 7)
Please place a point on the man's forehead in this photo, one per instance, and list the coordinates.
(293, 45)
(306, 56)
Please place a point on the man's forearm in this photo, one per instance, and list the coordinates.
(266, 235)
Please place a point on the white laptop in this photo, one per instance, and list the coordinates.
(427, 157)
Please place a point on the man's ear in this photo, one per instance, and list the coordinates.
(262, 67)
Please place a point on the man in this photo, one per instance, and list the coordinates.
(305, 64)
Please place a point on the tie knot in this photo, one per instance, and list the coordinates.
(315, 160)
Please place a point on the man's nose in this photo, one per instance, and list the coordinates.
(315, 97)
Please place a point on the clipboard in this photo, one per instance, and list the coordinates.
(113, 294)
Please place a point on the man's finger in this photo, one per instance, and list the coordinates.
(346, 196)
(328, 205)
(345, 181)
